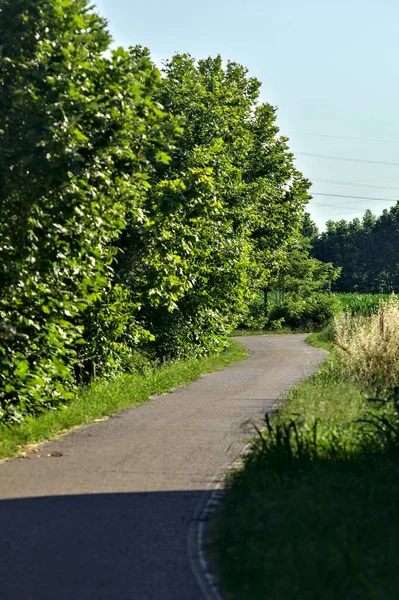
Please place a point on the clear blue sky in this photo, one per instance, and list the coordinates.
(329, 66)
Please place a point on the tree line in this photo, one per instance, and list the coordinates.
(367, 250)
(141, 212)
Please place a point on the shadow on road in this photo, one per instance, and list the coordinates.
(100, 546)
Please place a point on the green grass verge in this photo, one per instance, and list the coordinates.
(317, 517)
(105, 398)
(319, 340)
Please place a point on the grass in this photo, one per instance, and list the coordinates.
(369, 345)
(105, 398)
(314, 511)
(322, 339)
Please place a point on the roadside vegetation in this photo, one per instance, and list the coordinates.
(312, 513)
(296, 295)
(142, 214)
(144, 217)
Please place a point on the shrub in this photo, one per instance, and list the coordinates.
(314, 312)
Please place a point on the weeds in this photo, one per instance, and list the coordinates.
(368, 346)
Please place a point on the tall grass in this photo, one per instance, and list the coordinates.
(313, 512)
(368, 346)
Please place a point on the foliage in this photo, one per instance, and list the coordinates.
(140, 214)
(73, 128)
(307, 315)
(304, 283)
(113, 336)
(360, 303)
(300, 295)
(218, 215)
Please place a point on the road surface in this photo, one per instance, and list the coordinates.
(104, 513)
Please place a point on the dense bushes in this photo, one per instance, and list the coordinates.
(139, 214)
(298, 293)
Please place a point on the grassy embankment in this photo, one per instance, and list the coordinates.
(313, 513)
(104, 398)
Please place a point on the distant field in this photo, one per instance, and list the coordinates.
(365, 304)
(356, 302)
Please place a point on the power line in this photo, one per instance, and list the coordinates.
(338, 214)
(374, 162)
(382, 178)
(353, 183)
(343, 204)
(342, 137)
(356, 197)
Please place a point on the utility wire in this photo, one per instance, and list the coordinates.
(361, 160)
(342, 137)
(381, 178)
(353, 183)
(343, 204)
(338, 214)
(356, 197)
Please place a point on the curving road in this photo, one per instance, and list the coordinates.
(104, 513)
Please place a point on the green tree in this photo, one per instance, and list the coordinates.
(303, 286)
(74, 131)
(219, 215)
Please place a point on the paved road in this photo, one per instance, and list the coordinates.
(104, 513)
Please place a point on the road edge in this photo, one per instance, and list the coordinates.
(210, 501)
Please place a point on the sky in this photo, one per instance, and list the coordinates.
(330, 67)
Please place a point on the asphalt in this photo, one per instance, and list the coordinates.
(104, 513)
